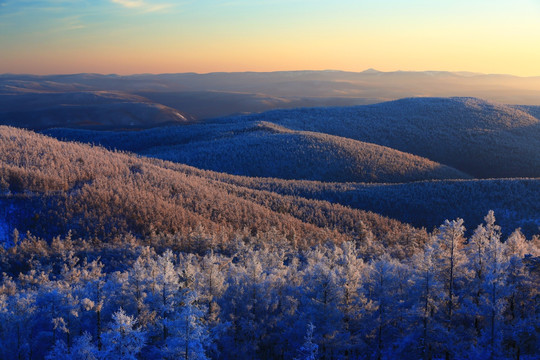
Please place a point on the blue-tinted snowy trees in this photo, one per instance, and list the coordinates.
(123, 341)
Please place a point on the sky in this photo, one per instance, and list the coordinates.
(165, 36)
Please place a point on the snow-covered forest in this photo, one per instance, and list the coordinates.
(122, 256)
(261, 297)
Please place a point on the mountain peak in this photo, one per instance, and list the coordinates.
(371, 71)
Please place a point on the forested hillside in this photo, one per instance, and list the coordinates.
(471, 135)
(425, 203)
(484, 138)
(113, 255)
(51, 187)
(266, 150)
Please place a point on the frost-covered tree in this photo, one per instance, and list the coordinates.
(244, 305)
(188, 336)
(521, 317)
(93, 278)
(309, 350)
(476, 252)
(166, 293)
(321, 297)
(352, 272)
(495, 290)
(428, 290)
(141, 287)
(386, 292)
(20, 311)
(211, 283)
(124, 340)
(82, 349)
(59, 351)
(518, 246)
(450, 259)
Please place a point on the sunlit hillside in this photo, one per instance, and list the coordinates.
(50, 187)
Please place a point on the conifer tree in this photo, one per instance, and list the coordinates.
(124, 340)
(309, 350)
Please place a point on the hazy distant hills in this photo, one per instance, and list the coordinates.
(49, 187)
(218, 94)
(90, 110)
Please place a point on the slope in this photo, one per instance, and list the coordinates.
(55, 186)
(423, 204)
(86, 110)
(266, 150)
(481, 138)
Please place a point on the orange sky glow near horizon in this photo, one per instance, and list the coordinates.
(144, 36)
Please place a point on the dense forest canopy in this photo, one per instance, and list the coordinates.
(262, 297)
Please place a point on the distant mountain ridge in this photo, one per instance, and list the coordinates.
(211, 95)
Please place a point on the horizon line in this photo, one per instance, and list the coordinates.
(366, 71)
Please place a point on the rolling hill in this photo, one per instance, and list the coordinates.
(266, 150)
(50, 187)
(471, 135)
(243, 92)
(85, 110)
